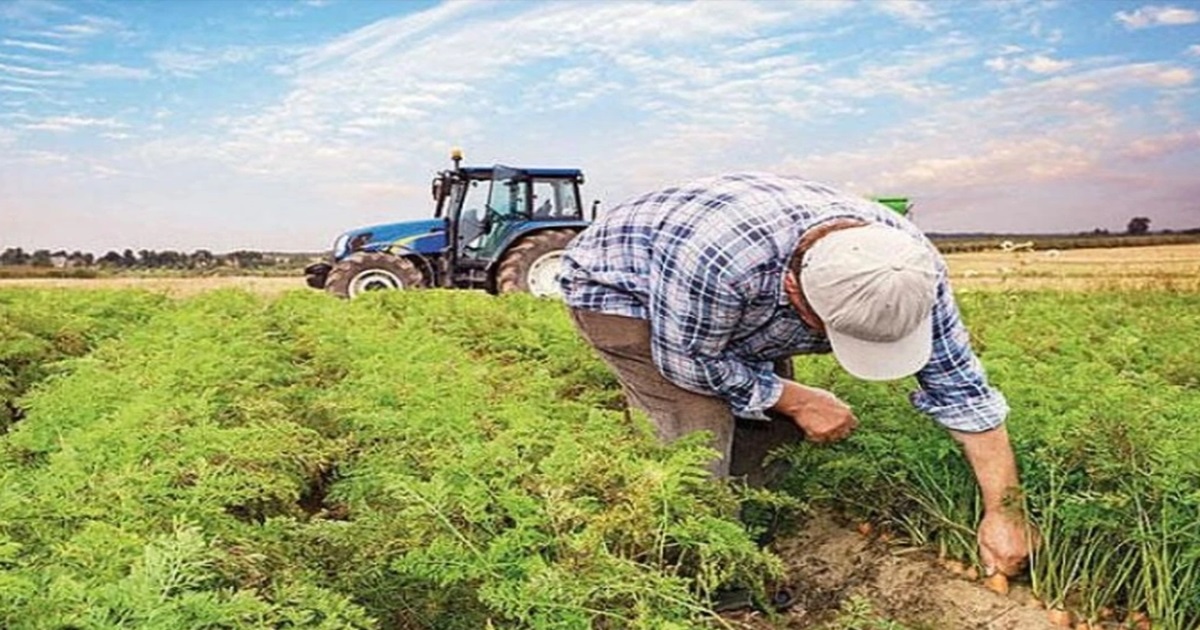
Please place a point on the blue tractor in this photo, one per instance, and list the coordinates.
(495, 228)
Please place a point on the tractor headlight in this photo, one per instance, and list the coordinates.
(339, 245)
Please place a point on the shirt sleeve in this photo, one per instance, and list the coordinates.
(692, 318)
(954, 387)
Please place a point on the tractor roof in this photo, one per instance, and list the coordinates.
(486, 172)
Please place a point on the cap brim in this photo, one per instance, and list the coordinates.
(884, 361)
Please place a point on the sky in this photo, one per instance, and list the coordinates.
(275, 125)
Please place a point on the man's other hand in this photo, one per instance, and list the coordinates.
(822, 416)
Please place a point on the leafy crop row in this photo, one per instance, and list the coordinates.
(1105, 397)
(453, 460)
(439, 460)
(40, 328)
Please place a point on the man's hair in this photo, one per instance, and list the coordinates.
(796, 263)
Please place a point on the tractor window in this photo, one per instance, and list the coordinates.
(555, 199)
(508, 197)
(475, 198)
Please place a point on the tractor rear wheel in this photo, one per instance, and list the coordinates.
(372, 271)
(533, 264)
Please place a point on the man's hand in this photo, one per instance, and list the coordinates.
(1003, 543)
(821, 415)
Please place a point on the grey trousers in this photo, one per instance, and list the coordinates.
(624, 344)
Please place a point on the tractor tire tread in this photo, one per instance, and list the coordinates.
(345, 270)
(511, 274)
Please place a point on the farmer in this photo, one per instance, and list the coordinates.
(692, 295)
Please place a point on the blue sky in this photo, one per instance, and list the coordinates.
(275, 125)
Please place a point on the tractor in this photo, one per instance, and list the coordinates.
(495, 228)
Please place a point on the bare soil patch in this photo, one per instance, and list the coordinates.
(829, 563)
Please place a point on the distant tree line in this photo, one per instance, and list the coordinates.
(203, 259)
(199, 259)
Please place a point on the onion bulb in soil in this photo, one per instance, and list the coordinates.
(997, 583)
(1059, 617)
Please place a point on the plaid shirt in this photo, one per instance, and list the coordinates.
(704, 263)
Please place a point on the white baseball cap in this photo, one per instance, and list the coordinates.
(874, 287)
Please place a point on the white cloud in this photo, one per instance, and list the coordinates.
(1040, 64)
(39, 157)
(1098, 83)
(22, 89)
(191, 62)
(912, 12)
(111, 71)
(26, 71)
(21, 58)
(101, 170)
(32, 45)
(30, 11)
(954, 157)
(84, 27)
(1157, 146)
(1194, 50)
(30, 82)
(297, 8)
(1174, 77)
(773, 45)
(1152, 15)
(72, 123)
(1037, 64)
(905, 75)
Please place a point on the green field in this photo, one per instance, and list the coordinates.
(455, 460)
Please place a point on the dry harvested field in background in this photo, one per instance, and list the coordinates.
(1160, 266)
(176, 287)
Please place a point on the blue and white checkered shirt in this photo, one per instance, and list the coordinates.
(705, 262)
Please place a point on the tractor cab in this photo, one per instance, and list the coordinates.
(488, 209)
(496, 228)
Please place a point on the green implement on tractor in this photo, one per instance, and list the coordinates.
(901, 205)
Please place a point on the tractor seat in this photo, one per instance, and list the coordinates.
(470, 228)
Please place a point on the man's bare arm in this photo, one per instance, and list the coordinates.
(1003, 542)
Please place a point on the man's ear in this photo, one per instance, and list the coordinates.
(791, 288)
(795, 296)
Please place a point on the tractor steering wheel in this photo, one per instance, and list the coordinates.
(490, 217)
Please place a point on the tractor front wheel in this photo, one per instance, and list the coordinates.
(372, 271)
(533, 264)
